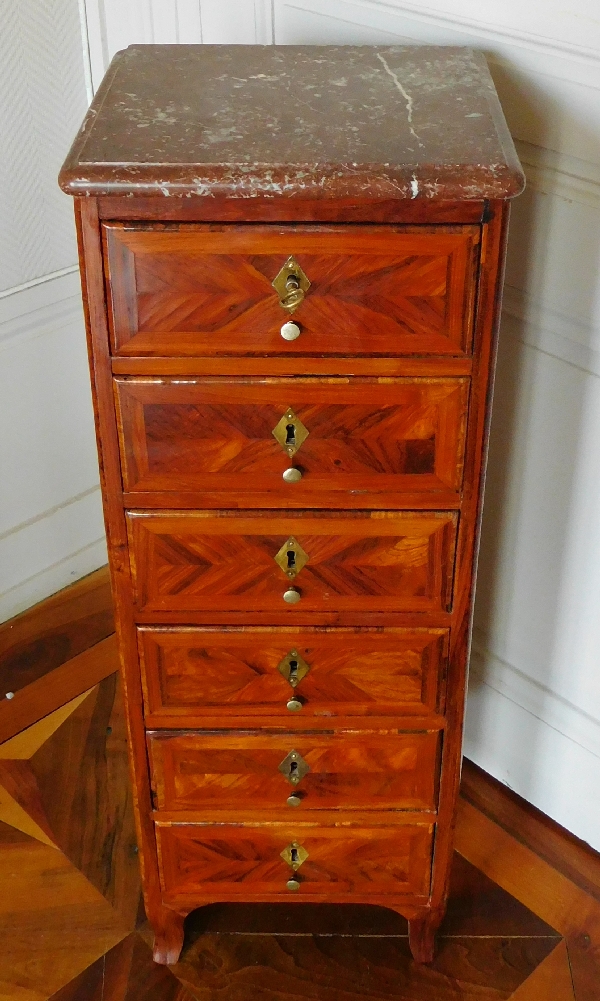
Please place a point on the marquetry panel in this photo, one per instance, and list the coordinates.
(199, 561)
(229, 862)
(233, 675)
(196, 771)
(185, 289)
(401, 435)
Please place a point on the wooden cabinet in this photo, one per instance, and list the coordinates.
(291, 301)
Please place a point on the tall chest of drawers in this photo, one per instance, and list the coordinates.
(291, 262)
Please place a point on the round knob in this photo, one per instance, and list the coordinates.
(293, 800)
(292, 475)
(293, 883)
(291, 596)
(290, 331)
(294, 704)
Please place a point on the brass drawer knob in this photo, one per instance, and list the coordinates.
(291, 596)
(293, 799)
(290, 331)
(294, 704)
(293, 883)
(292, 475)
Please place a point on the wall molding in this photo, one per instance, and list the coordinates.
(51, 276)
(559, 174)
(546, 330)
(546, 43)
(543, 55)
(538, 700)
(264, 20)
(39, 307)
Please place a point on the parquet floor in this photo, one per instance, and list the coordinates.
(524, 914)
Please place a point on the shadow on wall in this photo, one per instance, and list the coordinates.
(537, 636)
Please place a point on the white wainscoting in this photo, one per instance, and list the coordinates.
(534, 708)
(51, 529)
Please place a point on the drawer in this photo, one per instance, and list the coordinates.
(239, 676)
(206, 290)
(402, 435)
(397, 771)
(380, 562)
(224, 862)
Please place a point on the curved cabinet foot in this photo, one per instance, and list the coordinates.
(421, 936)
(168, 936)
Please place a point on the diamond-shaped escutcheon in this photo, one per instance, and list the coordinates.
(291, 558)
(290, 432)
(291, 285)
(293, 667)
(294, 855)
(294, 767)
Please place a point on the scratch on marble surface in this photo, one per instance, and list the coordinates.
(405, 95)
(414, 187)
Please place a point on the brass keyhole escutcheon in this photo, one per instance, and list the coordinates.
(294, 854)
(291, 285)
(291, 558)
(290, 432)
(294, 768)
(293, 668)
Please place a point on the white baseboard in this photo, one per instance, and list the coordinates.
(52, 579)
(44, 554)
(538, 700)
(548, 768)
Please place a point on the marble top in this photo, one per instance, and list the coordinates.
(295, 121)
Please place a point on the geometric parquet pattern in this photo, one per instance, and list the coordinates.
(72, 926)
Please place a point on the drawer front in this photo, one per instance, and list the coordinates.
(237, 676)
(401, 435)
(207, 290)
(390, 561)
(227, 863)
(333, 771)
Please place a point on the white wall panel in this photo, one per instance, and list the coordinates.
(47, 451)
(50, 525)
(43, 100)
(115, 24)
(559, 775)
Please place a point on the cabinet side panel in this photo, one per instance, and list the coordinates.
(90, 260)
(493, 247)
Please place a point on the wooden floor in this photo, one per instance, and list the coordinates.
(524, 914)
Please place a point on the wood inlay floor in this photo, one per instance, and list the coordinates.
(523, 920)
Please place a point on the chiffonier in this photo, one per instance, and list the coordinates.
(292, 265)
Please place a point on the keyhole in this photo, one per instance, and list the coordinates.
(293, 673)
(291, 558)
(294, 855)
(290, 434)
(294, 771)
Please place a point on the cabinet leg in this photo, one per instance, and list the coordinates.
(168, 936)
(421, 936)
